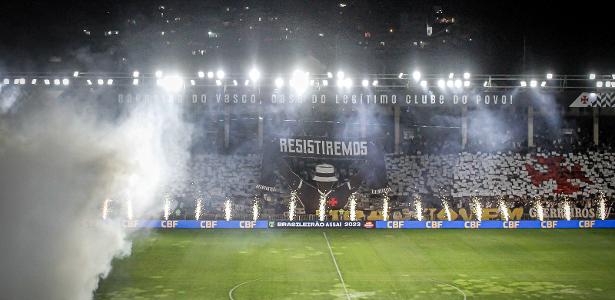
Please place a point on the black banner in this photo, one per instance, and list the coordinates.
(321, 167)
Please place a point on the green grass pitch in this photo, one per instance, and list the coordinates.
(374, 264)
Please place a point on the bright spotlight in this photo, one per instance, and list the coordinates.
(56, 81)
(109, 81)
(347, 83)
(423, 83)
(247, 82)
(598, 84)
(254, 75)
(325, 82)
(543, 84)
(549, 76)
(450, 83)
(533, 83)
(400, 76)
(279, 82)
(234, 82)
(158, 74)
(76, 74)
(416, 75)
(613, 76)
(523, 83)
(46, 81)
(210, 75)
(220, 74)
(466, 83)
(135, 74)
(329, 75)
(451, 75)
(200, 74)
(6, 81)
(486, 83)
(592, 76)
(172, 83)
(218, 82)
(466, 75)
(135, 81)
(458, 83)
(192, 82)
(34, 81)
(364, 83)
(89, 82)
(607, 84)
(441, 83)
(375, 83)
(340, 75)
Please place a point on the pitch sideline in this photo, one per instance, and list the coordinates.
(339, 273)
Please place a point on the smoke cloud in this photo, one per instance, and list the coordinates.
(60, 158)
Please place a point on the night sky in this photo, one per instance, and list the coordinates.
(559, 37)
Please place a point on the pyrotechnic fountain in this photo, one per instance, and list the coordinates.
(198, 208)
(385, 208)
(477, 208)
(322, 206)
(601, 206)
(227, 210)
(418, 206)
(567, 212)
(539, 209)
(105, 208)
(167, 206)
(503, 208)
(353, 206)
(129, 209)
(292, 205)
(255, 209)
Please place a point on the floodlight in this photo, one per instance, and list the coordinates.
(220, 74)
(279, 82)
(254, 74)
(416, 75)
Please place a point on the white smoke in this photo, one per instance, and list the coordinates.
(59, 161)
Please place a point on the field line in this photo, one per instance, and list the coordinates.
(230, 292)
(336, 266)
(458, 289)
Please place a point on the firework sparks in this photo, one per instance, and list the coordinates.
(477, 208)
(255, 210)
(503, 208)
(322, 207)
(385, 208)
(353, 206)
(567, 212)
(418, 206)
(198, 208)
(227, 210)
(167, 206)
(105, 208)
(129, 208)
(601, 206)
(292, 206)
(539, 210)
